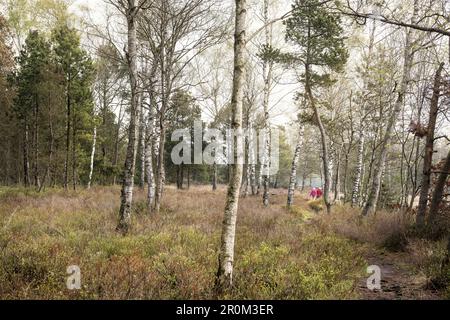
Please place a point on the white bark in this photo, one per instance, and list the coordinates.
(91, 166)
(267, 74)
(142, 144)
(293, 178)
(226, 254)
(149, 162)
(359, 168)
(130, 162)
(372, 200)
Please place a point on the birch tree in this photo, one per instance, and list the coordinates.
(267, 76)
(224, 278)
(317, 35)
(130, 10)
(293, 177)
(408, 56)
(176, 33)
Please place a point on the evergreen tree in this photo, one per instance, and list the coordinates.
(77, 69)
(34, 65)
(316, 33)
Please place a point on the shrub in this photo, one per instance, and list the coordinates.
(316, 205)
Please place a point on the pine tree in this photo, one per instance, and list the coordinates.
(34, 63)
(77, 69)
(317, 35)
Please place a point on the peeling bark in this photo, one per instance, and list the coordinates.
(130, 161)
(224, 277)
(293, 178)
(91, 165)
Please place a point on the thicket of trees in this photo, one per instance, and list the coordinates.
(87, 103)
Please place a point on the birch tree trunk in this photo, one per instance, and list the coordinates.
(337, 180)
(149, 161)
(293, 178)
(252, 161)
(68, 118)
(116, 142)
(142, 143)
(130, 161)
(359, 177)
(165, 94)
(372, 200)
(253, 179)
(224, 277)
(359, 168)
(429, 149)
(161, 174)
(267, 74)
(91, 165)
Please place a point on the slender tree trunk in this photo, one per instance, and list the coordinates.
(189, 177)
(130, 161)
(253, 179)
(345, 177)
(293, 178)
(249, 148)
(149, 158)
(372, 200)
(439, 191)
(91, 166)
(325, 153)
(337, 181)
(37, 181)
(74, 154)
(161, 174)
(26, 161)
(429, 149)
(359, 168)
(68, 119)
(142, 143)
(252, 161)
(49, 170)
(267, 72)
(214, 177)
(303, 179)
(165, 94)
(116, 143)
(224, 277)
(260, 175)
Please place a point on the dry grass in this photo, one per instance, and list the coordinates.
(172, 255)
(385, 229)
(396, 233)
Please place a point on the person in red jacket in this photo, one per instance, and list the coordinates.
(313, 193)
(319, 193)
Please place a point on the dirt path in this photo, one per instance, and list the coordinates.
(398, 280)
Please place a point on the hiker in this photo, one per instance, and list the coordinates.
(313, 193)
(319, 193)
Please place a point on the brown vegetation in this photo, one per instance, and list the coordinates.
(281, 253)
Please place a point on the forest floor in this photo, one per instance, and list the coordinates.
(399, 279)
(281, 253)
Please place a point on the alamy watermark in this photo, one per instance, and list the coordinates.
(213, 146)
(74, 279)
(374, 281)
